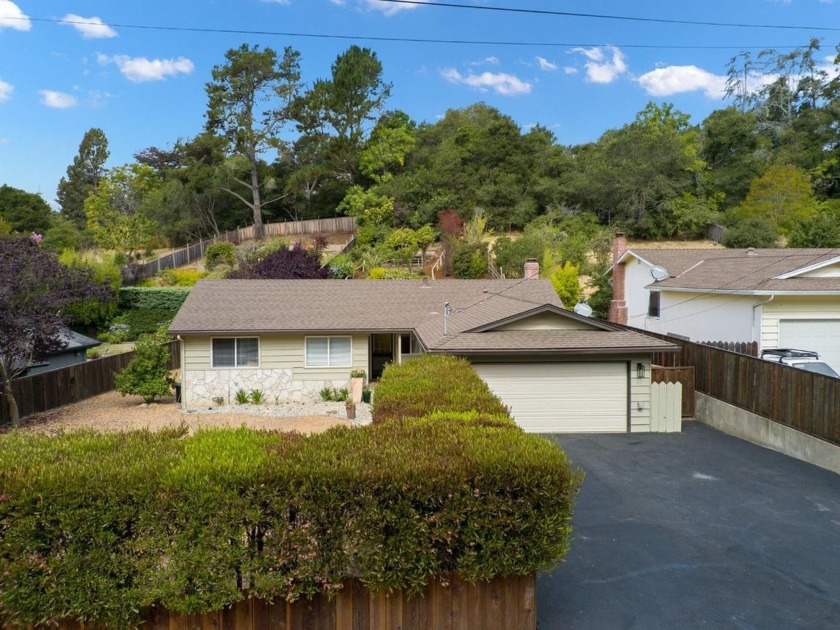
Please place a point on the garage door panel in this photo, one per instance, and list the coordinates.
(562, 397)
(819, 335)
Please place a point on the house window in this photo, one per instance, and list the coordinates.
(328, 352)
(236, 352)
(653, 304)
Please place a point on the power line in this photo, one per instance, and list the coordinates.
(603, 16)
(376, 38)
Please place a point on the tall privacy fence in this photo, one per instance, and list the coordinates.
(716, 232)
(804, 401)
(57, 388)
(191, 253)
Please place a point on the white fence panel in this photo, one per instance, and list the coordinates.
(666, 407)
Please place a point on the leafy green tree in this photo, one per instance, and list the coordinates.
(565, 280)
(752, 232)
(147, 374)
(601, 296)
(510, 255)
(734, 151)
(632, 175)
(340, 111)
(404, 243)
(820, 230)
(115, 212)
(374, 214)
(782, 196)
(24, 212)
(36, 295)
(249, 102)
(386, 149)
(469, 260)
(83, 176)
(103, 270)
(425, 236)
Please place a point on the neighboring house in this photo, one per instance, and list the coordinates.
(779, 298)
(557, 371)
(73, 353)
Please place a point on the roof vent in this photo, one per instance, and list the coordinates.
(750, 251)
(485, 294)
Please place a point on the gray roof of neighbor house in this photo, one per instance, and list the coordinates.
(310, 306)
(742, 270)
(76, 341)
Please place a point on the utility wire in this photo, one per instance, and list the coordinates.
(603, 16)
(375, 38)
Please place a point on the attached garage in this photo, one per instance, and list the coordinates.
(586, 397)
(819, 335)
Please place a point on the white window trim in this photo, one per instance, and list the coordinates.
(236, 367)
(329, 366)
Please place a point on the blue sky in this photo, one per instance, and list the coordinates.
(579, 76)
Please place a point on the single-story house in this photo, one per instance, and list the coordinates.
(778, 298)
(556, 370)
(73, 353)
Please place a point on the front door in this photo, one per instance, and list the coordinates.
(381, 353)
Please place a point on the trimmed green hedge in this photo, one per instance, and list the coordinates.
(152, 298)
(431, 384)
(97, 527)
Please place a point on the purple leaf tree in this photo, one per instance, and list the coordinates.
(35, 291)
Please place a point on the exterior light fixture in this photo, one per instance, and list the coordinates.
(640, 370)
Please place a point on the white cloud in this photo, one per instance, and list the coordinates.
(57, 100)
(90, 28)
(545, 64)
(570, 70)
(140, 69)
(388, 8)
(493, 61)
(500, 82)
(5, 91)
(604, 65)
(678, 79)
(12, 17)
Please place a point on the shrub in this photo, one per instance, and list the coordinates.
(219, 254)
(256, 396)
(241, 397)
(565, 280)
(342, 266)
(148, 298)
(135, 322)
(469, 260)
(97, 527)
(377, 273)
(147, 374)
(295, 263)
(181, 277)
(753, 232)
(431, 384)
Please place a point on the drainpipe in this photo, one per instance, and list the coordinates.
(755, 306)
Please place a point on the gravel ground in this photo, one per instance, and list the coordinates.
(112, 412)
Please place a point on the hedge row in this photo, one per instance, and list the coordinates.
(152, 298)
(97, 527)
(434, 383)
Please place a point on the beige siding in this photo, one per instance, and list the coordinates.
(546, 321)
(791, 307)
(279, 352)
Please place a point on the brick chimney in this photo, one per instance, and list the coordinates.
(531, 270)
(618, 305)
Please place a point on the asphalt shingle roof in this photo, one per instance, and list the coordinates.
(741, 269)
(250, 306)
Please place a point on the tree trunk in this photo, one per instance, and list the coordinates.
(14, 413)
(259, 230)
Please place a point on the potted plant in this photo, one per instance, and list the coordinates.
(357, 384)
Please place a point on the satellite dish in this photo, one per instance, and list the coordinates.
(582, 308)
(659, 273)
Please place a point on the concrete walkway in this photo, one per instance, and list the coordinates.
(696, 530)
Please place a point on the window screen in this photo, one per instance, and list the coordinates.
(653, 304)
(244, 352)
(328, 352)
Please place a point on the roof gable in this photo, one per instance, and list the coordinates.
(545, 317)
(824, 269)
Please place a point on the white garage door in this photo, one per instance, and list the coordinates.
(561, 397)
(819, 335)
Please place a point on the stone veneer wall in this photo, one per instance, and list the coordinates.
(202, 386)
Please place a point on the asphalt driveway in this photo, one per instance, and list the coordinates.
(696, 530)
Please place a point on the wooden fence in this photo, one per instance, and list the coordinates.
(683, 375)
(50, 390)
(501, 604)
(716, 232)
(804, 401)
(191, 253)
(750, 348)
(665, 407)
